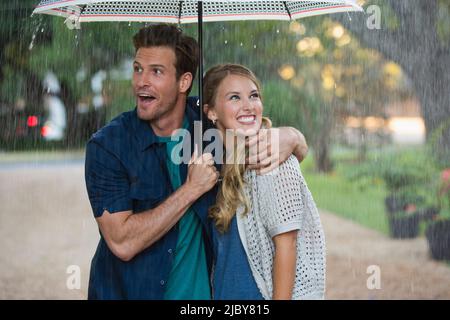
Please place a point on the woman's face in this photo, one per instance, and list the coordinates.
(238, 105)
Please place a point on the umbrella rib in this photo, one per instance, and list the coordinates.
(180, 5)
(287, 9)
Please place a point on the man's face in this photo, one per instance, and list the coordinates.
(154, 82)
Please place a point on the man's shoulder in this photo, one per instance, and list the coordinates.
(117, 130)
(192, 107)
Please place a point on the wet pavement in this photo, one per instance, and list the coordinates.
(46, 227)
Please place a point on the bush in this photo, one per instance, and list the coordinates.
(410, 175)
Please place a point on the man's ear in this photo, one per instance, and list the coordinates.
(210, 113)
(185, 82)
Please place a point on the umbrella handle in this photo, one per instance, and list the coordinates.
(199, 134)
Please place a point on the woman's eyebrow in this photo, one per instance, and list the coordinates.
(233, 92)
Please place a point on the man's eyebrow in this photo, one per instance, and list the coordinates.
(151, 65)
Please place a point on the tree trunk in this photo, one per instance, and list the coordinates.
(321, 142)
(322, 156)
(434, 98)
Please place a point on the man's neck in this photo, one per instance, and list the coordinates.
(168, 123)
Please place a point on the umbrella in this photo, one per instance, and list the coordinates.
(190, 11)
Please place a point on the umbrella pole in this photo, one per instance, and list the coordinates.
(199, 128)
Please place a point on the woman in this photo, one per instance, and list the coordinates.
(267, 235)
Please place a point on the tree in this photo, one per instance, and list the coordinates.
(17, 35)
(416, 35)
(315, 74)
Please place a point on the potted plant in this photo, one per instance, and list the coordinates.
(438, 231)
(408, 178)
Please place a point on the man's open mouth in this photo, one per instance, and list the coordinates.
(145, 98)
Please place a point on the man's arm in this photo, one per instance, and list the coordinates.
(274, 146)
(127, 234)
(299, 141)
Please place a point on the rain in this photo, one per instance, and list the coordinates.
(369, 90)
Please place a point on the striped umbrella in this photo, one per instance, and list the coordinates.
(189, 11)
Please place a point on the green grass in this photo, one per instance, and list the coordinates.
(333, 192)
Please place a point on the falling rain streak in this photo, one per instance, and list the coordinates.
(369, 91)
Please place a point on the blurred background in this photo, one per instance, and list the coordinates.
(370, 91)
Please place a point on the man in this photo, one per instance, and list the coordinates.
(152, 214)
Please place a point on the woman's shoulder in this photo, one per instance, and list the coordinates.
(289, 168)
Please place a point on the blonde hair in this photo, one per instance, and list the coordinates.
(231, 193)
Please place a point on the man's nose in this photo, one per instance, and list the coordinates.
(144, 79)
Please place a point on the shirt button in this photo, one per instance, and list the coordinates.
(162, 282)
(169, 251)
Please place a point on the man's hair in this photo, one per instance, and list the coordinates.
(165, 35)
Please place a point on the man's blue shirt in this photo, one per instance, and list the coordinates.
(126, 170)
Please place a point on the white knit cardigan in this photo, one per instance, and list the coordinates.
(280, 202)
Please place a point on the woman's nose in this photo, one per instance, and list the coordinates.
(247, 104)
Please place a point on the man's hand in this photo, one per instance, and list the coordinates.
(202, 174)
(273, 146)
(127, 234)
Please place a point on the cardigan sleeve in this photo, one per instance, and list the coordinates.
(280, 192)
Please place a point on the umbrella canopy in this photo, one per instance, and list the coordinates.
(190, 11)
(173, 11)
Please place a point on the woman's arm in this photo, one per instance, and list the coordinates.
(284, 265)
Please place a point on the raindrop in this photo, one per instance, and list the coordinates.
(242, 44)
(254, 46)
(278, 30)
(226, 41)
(42, 30)
(129, 24)
(30, 47)
(349, 18)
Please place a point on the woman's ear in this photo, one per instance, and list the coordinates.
(185, 82)
(210, 113)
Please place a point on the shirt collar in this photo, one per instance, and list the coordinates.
(144, 132)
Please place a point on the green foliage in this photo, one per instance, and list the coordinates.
(443, 21)
(436, 142)
(335, 193)
(123, 98)
(409, 174)
(280, 105)
(14, 87)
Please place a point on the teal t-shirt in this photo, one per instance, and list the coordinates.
(188, 278)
